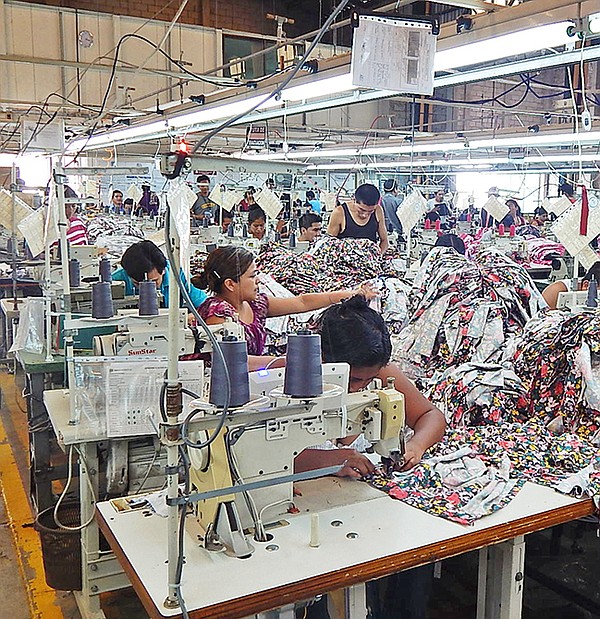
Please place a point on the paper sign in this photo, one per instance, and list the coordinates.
(269, 202)
(411, 210)
(556, 205)
(393, 54)
(587, 257)
(22, 210)
(231, 199)
(566, 229)
(135, 193)
(32, 228)
(496, 209)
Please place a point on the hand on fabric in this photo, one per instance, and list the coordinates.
(356, 464)
(412, 455)
(367, 290)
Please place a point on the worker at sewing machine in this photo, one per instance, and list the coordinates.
(310, 226)
(551, 292)
(353, 333)
(144, 260)
(230, 274)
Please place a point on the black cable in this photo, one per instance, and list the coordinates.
(277, 91)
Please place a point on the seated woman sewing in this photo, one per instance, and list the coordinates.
(353, 333)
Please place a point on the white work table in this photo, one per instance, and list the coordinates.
(375, 536)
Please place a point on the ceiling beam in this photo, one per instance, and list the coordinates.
(94, 66)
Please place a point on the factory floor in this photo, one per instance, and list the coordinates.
(561, 570)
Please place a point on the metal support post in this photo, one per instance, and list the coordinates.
(500, 580)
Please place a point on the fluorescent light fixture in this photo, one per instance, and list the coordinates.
(309, 94)
(539, 139)
(319, 88)
(457, 163)
(513, 44)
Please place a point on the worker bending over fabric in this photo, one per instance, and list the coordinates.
(144, 260)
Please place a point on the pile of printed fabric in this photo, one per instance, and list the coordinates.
(332, 264)
(114, 233)
(557, 357)
(461, 311)
(475, 471)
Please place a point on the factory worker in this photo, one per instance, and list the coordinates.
(390, 203)
(551, 292)
(514, 216)
(257, 221)
(203, 206)
(353, 333)
(362, 218)
(451, 240)
(230, 274)
(310, 225)
(144, 260)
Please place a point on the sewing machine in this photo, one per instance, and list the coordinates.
(513, 246)
(261, 441)
(147, 335)
(575, 301)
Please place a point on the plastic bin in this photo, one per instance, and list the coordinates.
(61, 550)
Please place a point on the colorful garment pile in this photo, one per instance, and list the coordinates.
(473, 472)
(462, 311)
(112, 225)
(557, 358)
(475, 394)
(542, 251)
(333, 264)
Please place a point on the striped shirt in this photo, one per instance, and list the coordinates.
(77, 232)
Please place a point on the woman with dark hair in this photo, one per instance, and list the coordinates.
(514, 216)
(353, 333)
(451, 240)
(230, 274)
(257, 220)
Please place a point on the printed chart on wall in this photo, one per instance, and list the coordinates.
(393, 54)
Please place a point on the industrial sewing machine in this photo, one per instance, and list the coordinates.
(261, 440)
(513, 246)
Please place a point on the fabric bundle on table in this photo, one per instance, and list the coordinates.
(474, 394)
(557, 358)
(112, 225)
(463, 311)
(473, 472)
(541, 251)
(333, 264)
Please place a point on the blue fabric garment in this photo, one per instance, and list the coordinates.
(198, 296)
(390, 204)
(315, 206)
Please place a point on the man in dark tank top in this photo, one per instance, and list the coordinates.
(362, 218)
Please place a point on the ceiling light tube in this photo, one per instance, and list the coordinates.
(494, 48)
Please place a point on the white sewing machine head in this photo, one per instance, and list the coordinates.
(251, 451)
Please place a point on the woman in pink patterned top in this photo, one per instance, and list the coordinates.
(230, 274)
